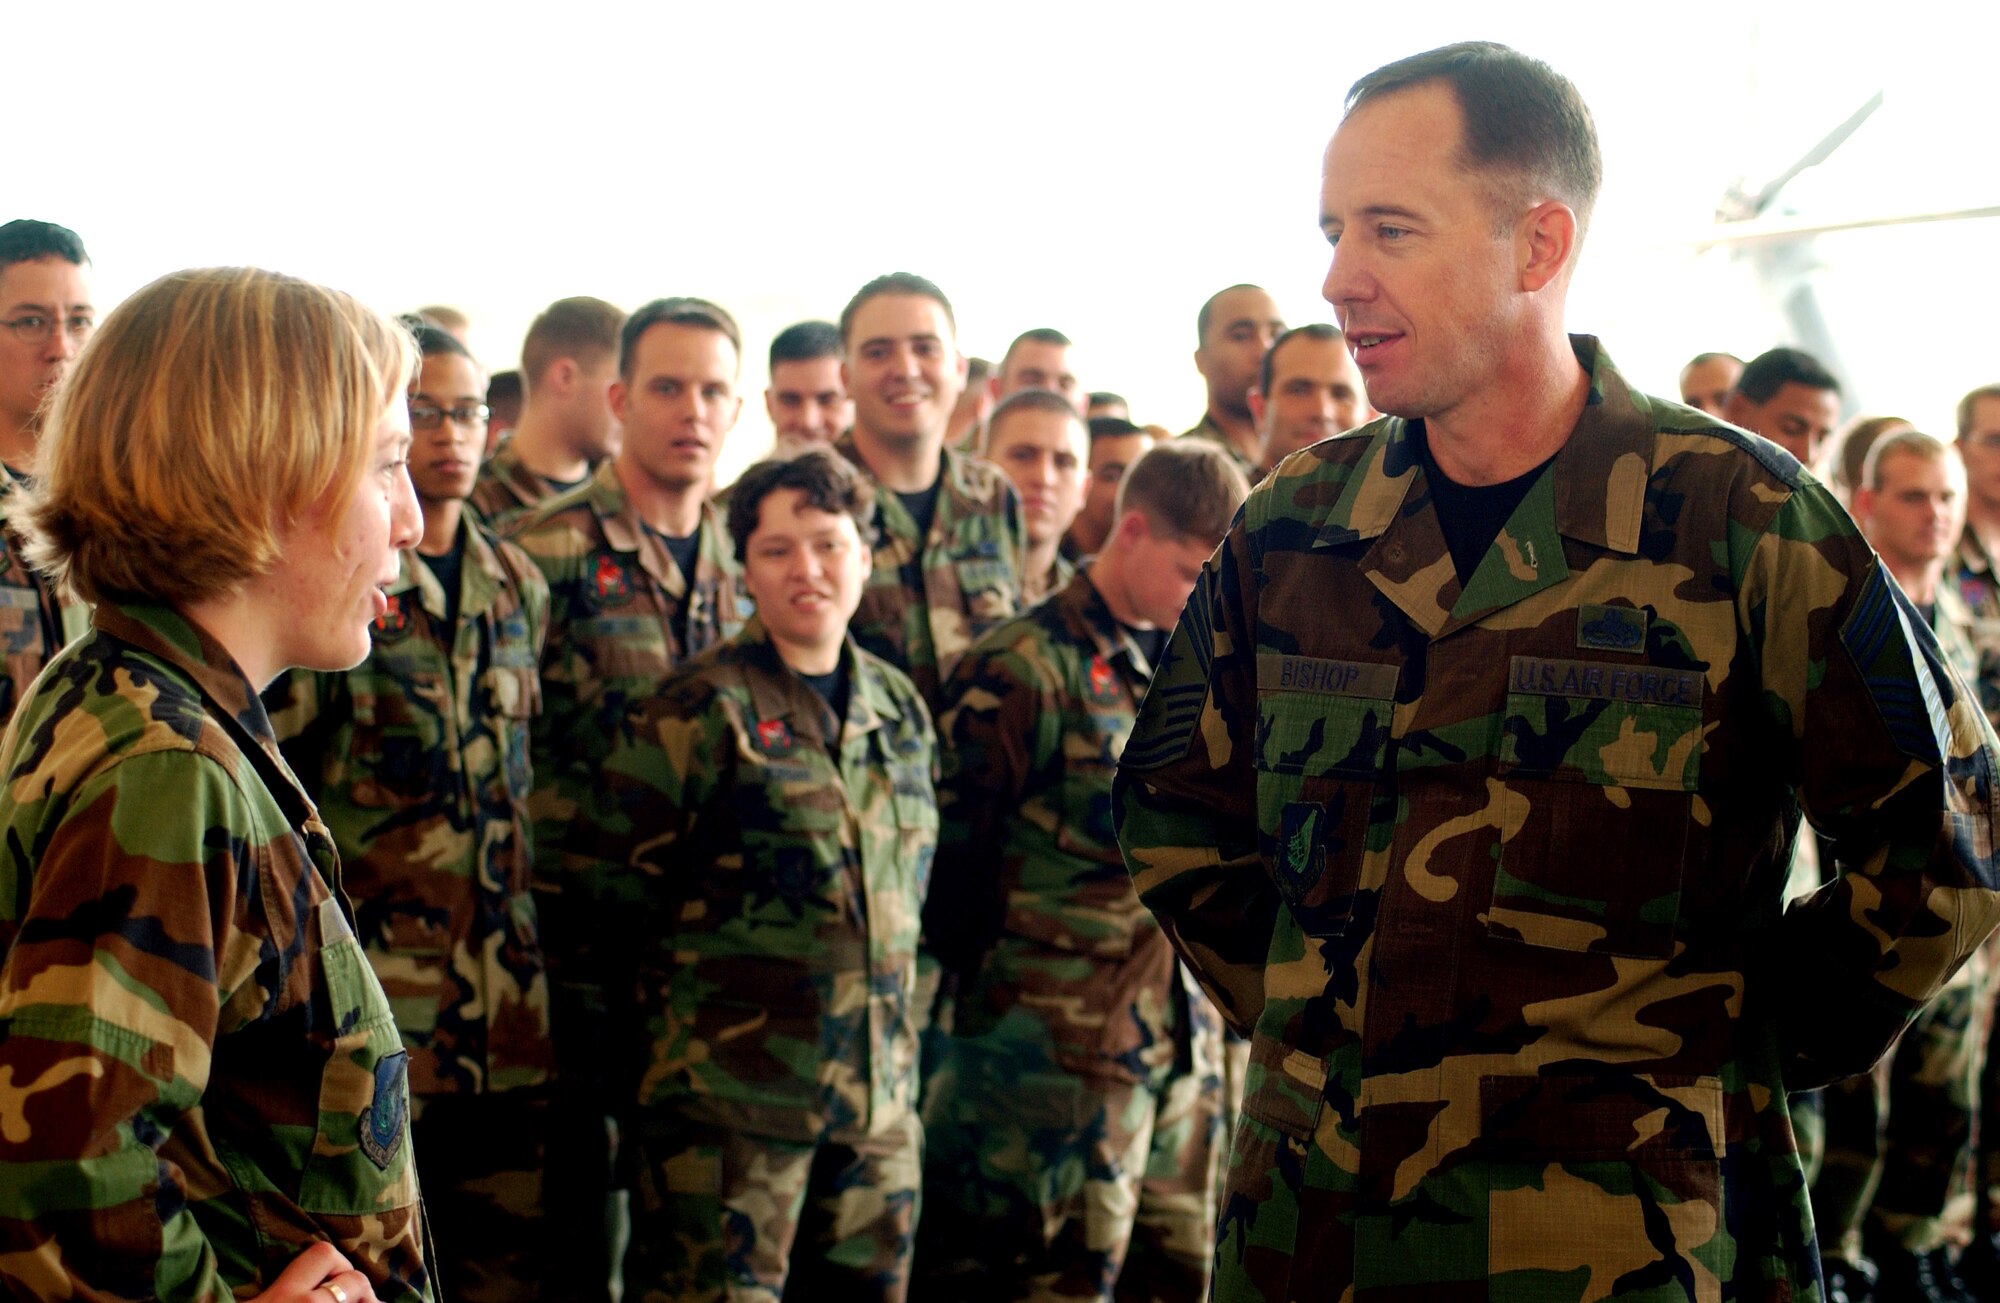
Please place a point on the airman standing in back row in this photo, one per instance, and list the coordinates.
(949, 546)
(1038, 440)
(568, 361)
(1468, 783)
(418, 760)
(948, 536)
(45, 317)
(1235, 328)
(640, 578)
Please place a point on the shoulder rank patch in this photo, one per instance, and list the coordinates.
(774, 737)
(394, 622)
(1610, 628)
(610, 582)
(382, 1123)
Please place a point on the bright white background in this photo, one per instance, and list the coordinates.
(1098, 167)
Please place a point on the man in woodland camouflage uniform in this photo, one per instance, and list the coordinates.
(45, 317)
(755, 863)
(418, 760)
(949, 537)
(1468, 783)
(1075, 1124)
(640, 578)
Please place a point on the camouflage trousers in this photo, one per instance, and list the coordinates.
(1040, 1184)
(1898, 1140)
(479, 1162)
(720, 1214)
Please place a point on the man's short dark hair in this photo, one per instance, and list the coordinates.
(827, 479)
(896, 282)
(678, 311)
(808, 341)
(1207, 313)
(1102, 397)
(26, 240)
(1520, 117)
(1319, 330)
(503, 387)
(1112, 427)
(1968, 406)
(1039, 335)
(433, 339)
(1768, 372)
(1188, 488)
(1027, 400)
(582, 328)
(978, 370)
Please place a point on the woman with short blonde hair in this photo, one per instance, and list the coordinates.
(202, 1092)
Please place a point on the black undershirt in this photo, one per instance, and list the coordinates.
(449, 569)
(683, 550)
(562, 486)
(1471, 515)
(922, 506)
(1153, 642)
(832, 688)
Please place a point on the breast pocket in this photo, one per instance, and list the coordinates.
(513, 697)
(1318, 757)
(988, 583)
(1600, 791)
(395, 757)
(360, 1161)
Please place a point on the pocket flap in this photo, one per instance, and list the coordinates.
(1285, 1088)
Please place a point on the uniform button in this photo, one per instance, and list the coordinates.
(1395, 553)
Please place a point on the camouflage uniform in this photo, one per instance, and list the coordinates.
(621, 617)
(1898, 1140)
(34, 625)
(1082, 1091)
(199, 1073)
(930, 599)
(1035, 587)
(1978, 587)
(418, 758)
(1561, 797)
(506, 489)
(756, 877)
(1207, 429)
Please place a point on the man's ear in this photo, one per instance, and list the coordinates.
(1548, 243)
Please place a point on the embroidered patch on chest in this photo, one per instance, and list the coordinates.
(394, 622)
(774, 737)
(382, 1122)
(610, 582)
(1103, 681)
(1610, 628)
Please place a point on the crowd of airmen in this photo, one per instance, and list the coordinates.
(739, 864)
